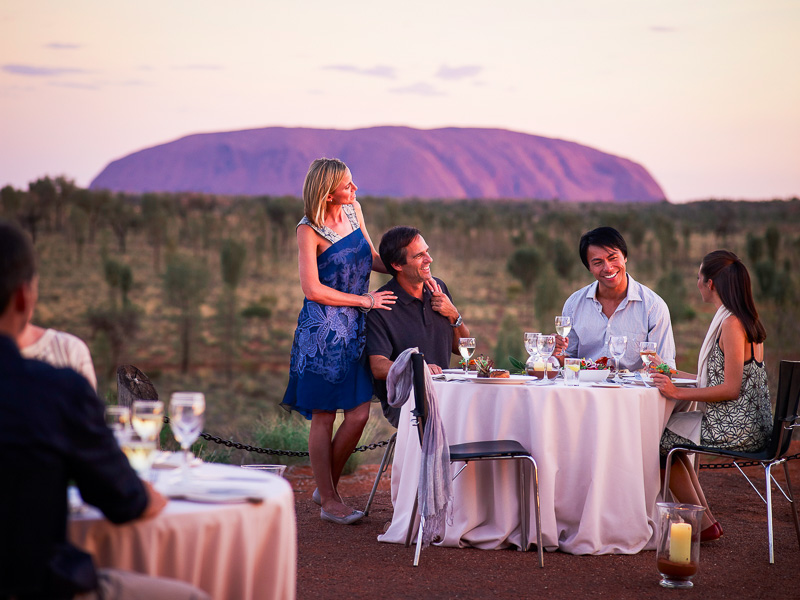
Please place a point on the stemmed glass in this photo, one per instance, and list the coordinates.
(563, 326)
(118, 419)
(147, 419)
(466, 347)
(546, 344)
(617, 345)
(186, 410)
(647, 350)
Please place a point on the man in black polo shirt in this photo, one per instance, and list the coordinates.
(423, 316)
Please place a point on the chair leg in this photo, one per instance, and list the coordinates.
(768, 468)
(419, 541)
(792, 501)
(536, 506)
(524, 510)
(388, 454)
(413, 518)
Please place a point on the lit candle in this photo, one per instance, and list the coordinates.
(680, 542)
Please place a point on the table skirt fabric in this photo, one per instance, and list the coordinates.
(244, 550)
(597, 454)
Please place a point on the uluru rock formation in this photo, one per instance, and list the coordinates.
(397, 162)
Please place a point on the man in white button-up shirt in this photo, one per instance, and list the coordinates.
(615, 304)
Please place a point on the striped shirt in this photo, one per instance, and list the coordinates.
(642, 316)
(62, 349)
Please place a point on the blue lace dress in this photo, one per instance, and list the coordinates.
(328, 369)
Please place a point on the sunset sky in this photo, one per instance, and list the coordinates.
(705, 95)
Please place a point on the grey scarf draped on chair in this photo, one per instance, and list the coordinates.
(435, 491)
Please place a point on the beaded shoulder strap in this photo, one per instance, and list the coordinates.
(326, 232)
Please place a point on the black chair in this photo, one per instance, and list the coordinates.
(388, 454)
(773, 453)
(475, 451)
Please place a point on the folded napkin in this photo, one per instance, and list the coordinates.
(215, 492)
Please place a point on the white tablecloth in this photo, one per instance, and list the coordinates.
(597, 452)
(243, 551)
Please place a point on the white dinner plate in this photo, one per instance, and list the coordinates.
(606, 385)
(510, 380)
(458, 372)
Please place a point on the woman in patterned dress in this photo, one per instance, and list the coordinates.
(732, 390)
(328, 371)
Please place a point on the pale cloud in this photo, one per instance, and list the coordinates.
(663, 29)
(33, 71)
(456, 73)
(384, 71)
(62, 46)
(75, 85)
(198, 67)
(420, 89)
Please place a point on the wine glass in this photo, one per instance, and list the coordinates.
(617, 345)
(647, 350)
(118, 419)
(546, 344)
(186, 410)
(563, 326)
(147, 419)
(466, 347)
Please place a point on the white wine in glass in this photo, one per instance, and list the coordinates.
(466, 347)
(147, 419)
(186, 412)
(563, 325)
(647, 350)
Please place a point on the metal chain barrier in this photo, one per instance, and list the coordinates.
(298, 453)
(749, 463)
(293, 453)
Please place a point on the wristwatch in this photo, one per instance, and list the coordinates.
(458, 322)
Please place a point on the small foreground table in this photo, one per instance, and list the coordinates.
(246, 551)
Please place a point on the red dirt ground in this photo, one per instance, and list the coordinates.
(337, 561)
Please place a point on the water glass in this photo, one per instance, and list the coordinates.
(118, 419)
(186, 414)
(572, 368)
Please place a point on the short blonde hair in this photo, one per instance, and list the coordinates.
(323, 176)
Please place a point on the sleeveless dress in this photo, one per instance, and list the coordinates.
(328, 369)
(743, 424)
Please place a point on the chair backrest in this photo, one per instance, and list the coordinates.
(420, 397)
(786, 404)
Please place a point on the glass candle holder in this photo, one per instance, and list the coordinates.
(678, 549)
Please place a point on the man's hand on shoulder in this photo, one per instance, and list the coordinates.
(440, 302)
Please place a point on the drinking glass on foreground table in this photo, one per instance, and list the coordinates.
(186, 411)
(147, 419)
(118, 419)
(617, 345)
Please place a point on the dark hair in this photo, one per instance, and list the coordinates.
(732, 282)
(393, 246)
(605, 237)
(17, 261)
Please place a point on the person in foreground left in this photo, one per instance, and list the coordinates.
(52, 432)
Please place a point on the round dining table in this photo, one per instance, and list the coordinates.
(234, 536)
(597, 451)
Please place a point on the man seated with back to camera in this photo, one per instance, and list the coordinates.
(615, 304)
(52, 431)
(423, 317)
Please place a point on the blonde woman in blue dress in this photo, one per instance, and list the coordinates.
(328, 370)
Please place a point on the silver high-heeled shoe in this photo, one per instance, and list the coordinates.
(354, 516)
